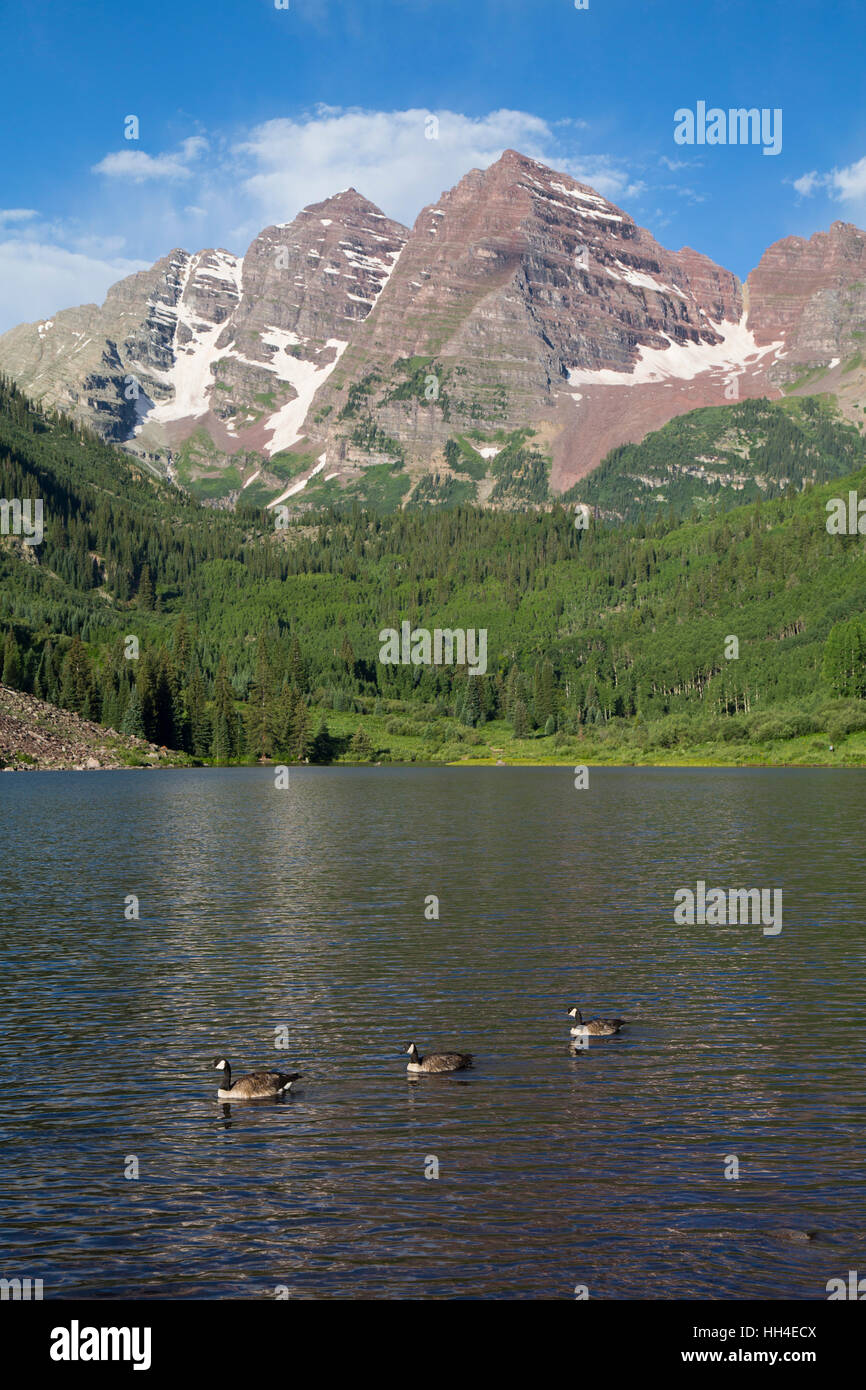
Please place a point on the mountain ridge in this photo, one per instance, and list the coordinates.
(344, 351)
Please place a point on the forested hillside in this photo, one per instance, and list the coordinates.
(254, 641)
(724, 456)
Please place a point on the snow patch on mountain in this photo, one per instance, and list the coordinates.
(642, 280)
(295, 488)
(306, 378)
(737, 352)
(281, 338)
(190, 378)
(580, 194)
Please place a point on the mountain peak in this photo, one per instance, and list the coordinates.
(522, 171)
(515, 157)
(526, 296)
(513, 164)
(338, 207)
(346, 198)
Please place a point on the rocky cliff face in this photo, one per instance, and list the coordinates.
(306, 286)
(523, 309)
(514, 286)
(78, 360)
(206, 364)
(812, 295)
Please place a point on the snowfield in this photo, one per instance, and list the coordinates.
(191, 375)
(287, 422)
(684, 361)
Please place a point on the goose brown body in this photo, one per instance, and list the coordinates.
(595, 1027)
(438, 1061)
(256, 1085)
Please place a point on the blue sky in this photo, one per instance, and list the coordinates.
(247, 112)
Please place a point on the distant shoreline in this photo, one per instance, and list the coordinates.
(593, 765)
(37, 736)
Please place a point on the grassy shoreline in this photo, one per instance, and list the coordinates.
(181, 762)
(494, 743)
(401, 737)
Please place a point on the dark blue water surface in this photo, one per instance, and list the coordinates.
(304, 909)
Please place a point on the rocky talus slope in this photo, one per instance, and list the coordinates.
(36, 736)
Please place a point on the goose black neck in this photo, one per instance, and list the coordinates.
(227, 1077)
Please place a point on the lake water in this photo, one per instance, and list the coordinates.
(305, 909)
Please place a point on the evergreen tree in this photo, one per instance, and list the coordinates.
(182, 646)
(157, 688)
(223, 746)
(47, 674)
(112, 713)
(361, 748)
(471, 711)
(92, 708)
(200, 733)
(145, 590)
(133, 722)
(513, 690)
(297, 666)
(11, 664)
(262, 712)
(520, 720)
(76, 678)
(322, 749)
(347, 657)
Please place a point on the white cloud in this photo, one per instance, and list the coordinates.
(850, 183)
(847, 185)
(389, 157)
(217, 192)
(38, 279)
(807, 183)
(99, 247)
(17, 214)
(139, 167)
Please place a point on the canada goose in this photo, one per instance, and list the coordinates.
(595, 1027)
(257, 1085)
(437, 1061)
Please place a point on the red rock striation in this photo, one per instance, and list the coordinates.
(527, 299)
